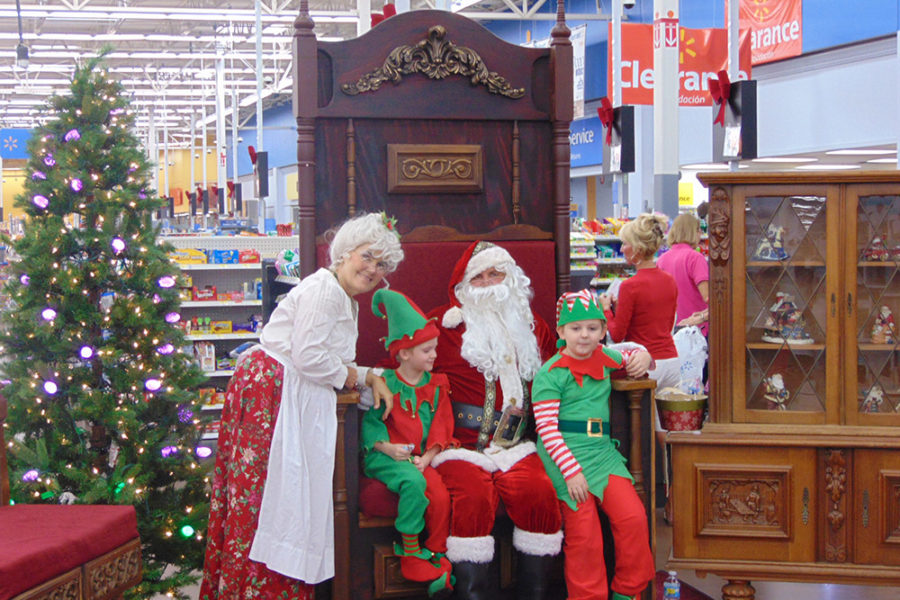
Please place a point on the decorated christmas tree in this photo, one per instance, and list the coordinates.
(100, 393)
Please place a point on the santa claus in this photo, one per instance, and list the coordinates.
(491, 345)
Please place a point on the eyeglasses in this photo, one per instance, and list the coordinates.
(369, 258)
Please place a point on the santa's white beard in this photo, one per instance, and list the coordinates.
(499, 326)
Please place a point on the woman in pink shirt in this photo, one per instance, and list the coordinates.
(690, 270)
(645, 308)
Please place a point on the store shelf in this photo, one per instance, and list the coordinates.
(218, 303)
(606, 238)
(210, 435)
(612, 261)
(219, 267)
(222, 336)
(574, 270)
(212, 407)
(220, 373)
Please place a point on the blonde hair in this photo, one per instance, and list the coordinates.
(644, 234)
(685, 230)
(368, 228)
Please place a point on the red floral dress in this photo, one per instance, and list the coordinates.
(248, 420)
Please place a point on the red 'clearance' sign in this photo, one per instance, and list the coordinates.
(776, 28)
(702, 54)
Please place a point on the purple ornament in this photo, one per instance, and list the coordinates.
(50, 387)
(40, 201)
(49, 160)
(72, 136)
(203, 451)
(166, 349)
(31, 475)
(86, 352)
(142, 195)
(24, 279)
(118, 244)
(173, 317)
(76, 184)
(185, 414)
(157, 299)
(166, 281)
(152, 385)
(169, 451)
(38, 175)
(48, 314)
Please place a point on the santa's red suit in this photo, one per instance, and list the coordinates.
(480, 475)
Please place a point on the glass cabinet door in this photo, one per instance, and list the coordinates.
(872, 390)
(787, 298)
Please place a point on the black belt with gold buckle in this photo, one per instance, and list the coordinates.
(470, 416)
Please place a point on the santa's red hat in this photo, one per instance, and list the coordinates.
(478, 257)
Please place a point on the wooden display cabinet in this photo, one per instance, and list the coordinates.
(796, 476)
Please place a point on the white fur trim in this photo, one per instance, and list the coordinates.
(470, 549)
(452, 318)
(487, 258)
(476, 458)
(536, 544)
(505, 458)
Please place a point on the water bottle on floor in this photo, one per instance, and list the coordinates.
(672, 587)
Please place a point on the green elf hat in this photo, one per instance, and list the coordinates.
(407, 325)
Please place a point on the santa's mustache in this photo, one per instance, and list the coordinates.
(486, 297)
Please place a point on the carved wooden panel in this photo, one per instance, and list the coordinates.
(64, 587)
(389, 581)
(719, 227)
(424, 168)
(114, 572)
(876, 512)
(889, 500)
(834, 529)
(744, 501)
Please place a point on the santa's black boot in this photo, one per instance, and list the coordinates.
(532, 576)
(472, 581)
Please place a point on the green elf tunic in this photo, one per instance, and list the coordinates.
(582, 387)
(423, 417)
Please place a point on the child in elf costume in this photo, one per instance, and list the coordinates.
(570, 397)
(398, 451)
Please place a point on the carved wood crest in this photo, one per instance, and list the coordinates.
(745, 502)
(719, 228)
(424, 168)
(435, 58)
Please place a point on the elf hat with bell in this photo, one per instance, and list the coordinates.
(407, 325)
(577, 306)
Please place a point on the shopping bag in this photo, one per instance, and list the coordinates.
(692, 352)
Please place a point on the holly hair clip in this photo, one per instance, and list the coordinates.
(390, 223)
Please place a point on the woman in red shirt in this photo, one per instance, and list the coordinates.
(645, 308)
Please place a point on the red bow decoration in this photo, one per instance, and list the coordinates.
(389, 11)
(230, 185)
(607, 116)
(199, 194)
(252, 152)
(720, 89)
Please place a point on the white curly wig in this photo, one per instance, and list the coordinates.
(368, 228)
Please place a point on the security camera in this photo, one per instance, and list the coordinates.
(240, 139)
(267, 79)
(628, 3)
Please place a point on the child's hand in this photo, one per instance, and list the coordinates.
(352, 377)
(395, 451)
(578, 488)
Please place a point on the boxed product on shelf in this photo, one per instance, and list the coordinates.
(207, 293)
(185, 294)
(205, 353)
(206, 395)
(249, 256)
(189, 256)
(224, 257)
(224, 364)
(220, 327)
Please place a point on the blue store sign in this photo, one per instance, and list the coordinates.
(586, 142)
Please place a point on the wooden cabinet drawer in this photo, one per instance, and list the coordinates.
(876, 514)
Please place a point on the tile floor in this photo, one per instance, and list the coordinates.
(765, 590)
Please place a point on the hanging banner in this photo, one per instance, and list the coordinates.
(776, 28)
(702, 54)
(578, 37)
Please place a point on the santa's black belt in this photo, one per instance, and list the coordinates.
(591, 427)
(469, 416)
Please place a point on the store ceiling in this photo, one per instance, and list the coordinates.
(165, 51)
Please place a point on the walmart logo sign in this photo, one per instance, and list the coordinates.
(13, 143)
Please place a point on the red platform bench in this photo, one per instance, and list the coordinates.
(80, 552)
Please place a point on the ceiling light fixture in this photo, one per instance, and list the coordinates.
(21, 49)
(882, 161)
(825, 167)
(859, 152)
(784, 159)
